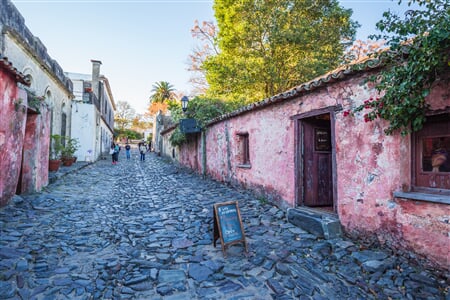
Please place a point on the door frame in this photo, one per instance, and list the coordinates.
(299, 164)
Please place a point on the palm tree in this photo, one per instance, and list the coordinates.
(162, 91)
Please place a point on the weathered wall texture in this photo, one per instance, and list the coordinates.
(12, 131)
(271, 139)
(24, 142)
(36, 152)
(58, 96)
(168, 150)
(190, 154)
(24, 132)
(370, 166)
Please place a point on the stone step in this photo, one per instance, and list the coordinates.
(319, 223)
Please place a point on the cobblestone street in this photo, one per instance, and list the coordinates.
(143, 230)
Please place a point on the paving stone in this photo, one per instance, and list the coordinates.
(199, 272)
(366, 255)
(171, 276)
(232, 271)
(376, 265)
(136, 280)
(144, 231)
(229, 287)
(7, 290)
(275, 286)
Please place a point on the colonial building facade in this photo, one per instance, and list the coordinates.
(32, 108)
(299, 150)
(92, 113)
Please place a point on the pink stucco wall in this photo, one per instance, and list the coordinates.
(12, 130)
(370, 166)
(24, 137)
(36, 152)
(271, 136)
(190, 154)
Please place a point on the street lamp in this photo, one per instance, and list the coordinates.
(184, 103)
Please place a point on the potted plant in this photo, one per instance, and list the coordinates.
(67, 153)
(56, 148)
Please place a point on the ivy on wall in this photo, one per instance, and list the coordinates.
(202, 109)
(418, 56)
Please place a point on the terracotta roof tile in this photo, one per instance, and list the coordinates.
(340, 73)
(8, 66)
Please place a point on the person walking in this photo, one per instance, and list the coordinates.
(128, 151)
(112, 152)
(116, 154)
(142, 150)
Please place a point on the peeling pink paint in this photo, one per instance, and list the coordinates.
(369, 166)
(24, 137)
(36, 152)
(12, 130)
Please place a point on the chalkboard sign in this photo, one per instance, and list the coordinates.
(228, 225)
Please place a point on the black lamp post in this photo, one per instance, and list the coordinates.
(188, 125)
(184, 103)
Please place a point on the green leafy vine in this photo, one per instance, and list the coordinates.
(203, 110)
(421, 46)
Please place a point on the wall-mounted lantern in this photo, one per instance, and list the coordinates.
(188, 125)
(184, 103)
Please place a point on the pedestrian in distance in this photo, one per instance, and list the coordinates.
(142, 150)
(128, 151)
(112, 151)
(116, 153)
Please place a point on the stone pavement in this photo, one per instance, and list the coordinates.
(143, 230)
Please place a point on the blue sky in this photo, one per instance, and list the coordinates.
(141, 42)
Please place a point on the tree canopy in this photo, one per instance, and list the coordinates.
(269, 46)
(162, 91)
(201, 108)
(124, 115)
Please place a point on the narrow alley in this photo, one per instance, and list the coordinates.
(144, 230)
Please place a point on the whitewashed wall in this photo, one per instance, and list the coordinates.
(43, 83)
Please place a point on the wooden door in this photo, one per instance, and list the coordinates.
(317, 163)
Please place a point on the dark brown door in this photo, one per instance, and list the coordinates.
(317, 163)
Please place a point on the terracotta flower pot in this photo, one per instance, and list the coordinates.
(53, 165)
(67, 161)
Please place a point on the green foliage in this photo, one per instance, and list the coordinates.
(17, 104)
(35, 102)
(71, 146)
(56, 146)
(203, 109)
(123, 133)
(269, 46)
(124, 115)
(162, 91)
(177, 138)
(421, 46)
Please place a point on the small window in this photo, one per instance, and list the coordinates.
(432, 155)
(244, 149)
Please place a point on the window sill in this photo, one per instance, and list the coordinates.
(423, 197)
(245, 166)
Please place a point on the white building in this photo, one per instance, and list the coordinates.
(29, 55)
(92, 113)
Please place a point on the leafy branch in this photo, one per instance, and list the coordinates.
(421, 44)
(202, 109)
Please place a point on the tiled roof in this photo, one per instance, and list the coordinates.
(338, 74)
(169, 129)
(8, 66)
